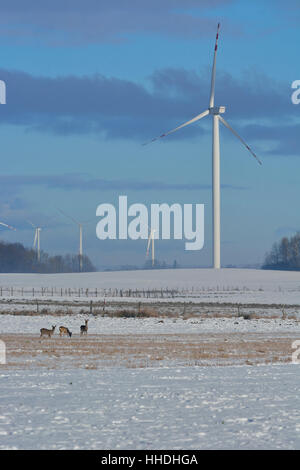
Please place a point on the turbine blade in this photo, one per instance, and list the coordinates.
(240, 138)
(153, 255)
(31, 224)
(68, 216)
(8, 226)
(153, 233)
(90, 221)
(196, 118)
(148, 245)
(213, 75)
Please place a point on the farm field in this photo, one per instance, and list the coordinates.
(146, 350)
(205, 285)
(193, 369)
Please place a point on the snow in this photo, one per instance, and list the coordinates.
(224, 285)
(160, 408)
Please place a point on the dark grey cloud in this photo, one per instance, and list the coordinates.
(92, 21)
(116, 108)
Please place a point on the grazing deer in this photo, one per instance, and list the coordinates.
(84, 328)
(46, 332)
(63, 330)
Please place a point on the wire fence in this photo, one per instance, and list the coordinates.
(93, 293)
(163, 293)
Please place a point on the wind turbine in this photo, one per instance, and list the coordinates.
(215, 112)
(36, 241)
(80, 224)
(151, 238)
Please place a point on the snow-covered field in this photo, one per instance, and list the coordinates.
(208, 285)
(160, 408)
(67, 406)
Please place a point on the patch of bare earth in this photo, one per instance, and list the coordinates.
(98, 351)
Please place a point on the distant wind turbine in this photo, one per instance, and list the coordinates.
(215, 112)
(80, 225)
(36, 241)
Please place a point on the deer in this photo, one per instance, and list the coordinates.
(63, 330)
(84, 328)
(46, 332)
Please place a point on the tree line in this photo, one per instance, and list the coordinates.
(15, 258)
(284, 254)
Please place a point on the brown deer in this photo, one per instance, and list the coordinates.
(63, 330)
(84, 328)
(46, 332)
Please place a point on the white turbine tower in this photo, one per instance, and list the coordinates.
(215, 112)
(151, 243)
(36, 243)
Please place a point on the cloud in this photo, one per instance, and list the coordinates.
(94, 21)
(16, 211)
(116, 108)
(81, 182)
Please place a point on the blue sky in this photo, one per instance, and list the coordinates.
(88, 82)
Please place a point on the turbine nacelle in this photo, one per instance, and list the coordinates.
(216, 110)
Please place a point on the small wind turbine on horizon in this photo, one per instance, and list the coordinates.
(80, 224)
(215, 112)
(36, 241)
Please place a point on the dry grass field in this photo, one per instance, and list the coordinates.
(146, 350)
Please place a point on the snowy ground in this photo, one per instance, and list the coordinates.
(159, 408)
(209, 285)
(56, 403)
